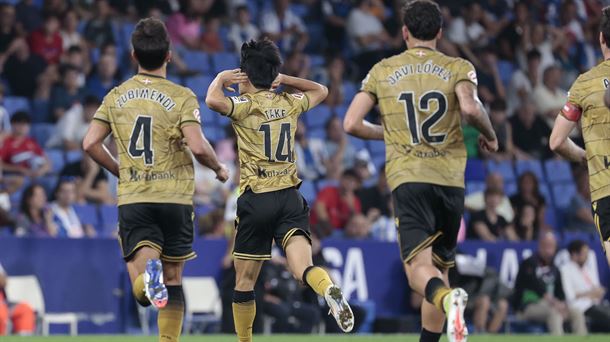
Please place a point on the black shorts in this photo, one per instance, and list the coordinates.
(263, 217)
(601, 215)
(428, 215)
(165, 227)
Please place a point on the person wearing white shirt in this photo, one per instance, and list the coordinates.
(64, 215)
(581, 285)
(523, 82)
(73, 125)
(242, 30)
(283, 27)
(476, 201)
(364, 29)
(548, 97)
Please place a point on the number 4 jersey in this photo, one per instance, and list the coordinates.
(420, 114)
(146, 114)
(265, 124)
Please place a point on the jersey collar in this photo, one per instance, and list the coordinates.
(149, 75)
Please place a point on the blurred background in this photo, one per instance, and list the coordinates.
(62, 270)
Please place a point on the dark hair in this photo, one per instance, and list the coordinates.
(423, 19)
(351, 173)
(532, 175)
(604, 25)
(533, 53)
(498, 105)
(24, 206)
(242, 8)
(91, 100)
(576, 246)
(75, 49)
(60, 183)
(21, 117)
(150, 42)
(261, 61)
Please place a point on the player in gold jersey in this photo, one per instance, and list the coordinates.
(150, 118)
(586, 104)
(270, 206)
(421, 94)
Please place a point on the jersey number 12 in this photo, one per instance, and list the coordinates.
(424, 105)
(283, 143)
(140, 143)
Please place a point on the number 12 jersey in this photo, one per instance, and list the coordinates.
(420, 114)
(146, 114)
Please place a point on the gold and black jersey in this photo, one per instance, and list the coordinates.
(587, 93)
(420, 113)
(265, 123)
(146, 114)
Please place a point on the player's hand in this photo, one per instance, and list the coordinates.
(488, 145)
(230, 77)
(222, 174)
(277, 82)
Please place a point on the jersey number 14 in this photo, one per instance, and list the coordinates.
(283, 147)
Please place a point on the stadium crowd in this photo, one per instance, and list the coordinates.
(58, 58)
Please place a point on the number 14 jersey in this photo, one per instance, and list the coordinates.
(420, 114)
(146, 114)
(265, 124)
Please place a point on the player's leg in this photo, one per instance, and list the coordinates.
(601, 216)
(170, 317)
(244, 306)
(433, 320)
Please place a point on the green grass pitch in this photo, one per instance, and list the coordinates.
(307, 338)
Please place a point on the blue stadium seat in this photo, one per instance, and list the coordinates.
(376, 147)
(546, 193)
(175, 79)
(474, 186)
(40, 111)
(87, 213)
(563, 194)
(57, 160)
(504, 168)
(48, 182)
(358, 143)
(378, 160)
(316, 60)
(13, 104)
(224, 61)
(323, 183)
(534, 166)
(550, 217)
(42, 132)
(208, 116)
(317, 116)
(74, 156)
(475, 170)
(317, 133)
(505, 69)
(109, 219)
(197, 61)
(198, 84)
(340, 110)
(214, 133)
(558, 171)
(126, 31)
(569, 236)
(308, 190)
(510, 188)
(222, 120)
(350, 89)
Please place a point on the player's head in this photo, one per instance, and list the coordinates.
(150, 43)
(422, 20)
(261, 61)
(604, 29)
(579, 251)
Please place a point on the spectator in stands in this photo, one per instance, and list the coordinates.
(368, 37)
(374, 199)
(526, 226)
(46, 41)
(5, 118)
(29, 15)
(530, 133)
(69, 30)
(309, 153)
(210, 38)
(334, 205)
(358, 227)
(383, 227)
(23, 70)
(523, 82)
(21, 155)
(35, 218)
(184, 26)
(76, 57)
(296, 64)
(487, 225)
(583, 291)
(68, 93)
(504, 132)
(72, 127)
(91, 181)
(491, 88)
(339, 154)
(242, 29)
(104, 78)
(8, 32)
(20, 315)
(98, 30)
(539, 295)
(543, 38)
(55, 7)
(528, 194)
(333, 78)
(335, 14)
(548, 97)
(466, 30)
(65, 218)
(284, 27)
(579, 211)
(476, 201)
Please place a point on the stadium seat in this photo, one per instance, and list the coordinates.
(126, 30)
(74, 156)
(474, 186)
(504, 168)
(109, 218)
(308, 190)
(358, 143)
(558, 171)
(505, 69)
(40, 111)
(48, 182)
(317, 116)
(224, 61)
(340, 110)
(534, 166)
(475, 170)
(13, 104)
(376, 147)
(198, 84)
(202, 302)
(324, 183)
(87, 213)
(550, 216)
(350, 89)
(208, 116)
(57, 160)
(175, 79)
(316, 133)
(316, 60)
(197, 61)
(546, 193)
(41, 132)
(510, 188)
(563, 194)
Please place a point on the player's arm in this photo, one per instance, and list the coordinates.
(560, 142)
(315, 92)
(354, 122)
(93, 144)
(203, 151)
(215, 98)
(475, 114)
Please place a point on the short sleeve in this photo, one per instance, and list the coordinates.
(102, 115)
(369, 84)
(572, 110)
(465, 72)
(190, 115)
(240, 107)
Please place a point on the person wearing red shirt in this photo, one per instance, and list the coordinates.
(46, 41)
(336, 204)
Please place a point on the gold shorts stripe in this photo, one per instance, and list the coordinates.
(597, 225)
(290, 233)
(143, 243)
(244, 256)
(190, 256)
(423, 245)
(440, 262)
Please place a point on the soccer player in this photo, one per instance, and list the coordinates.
(150, 118)
(270, 206)
(420, 94)
(584, 104)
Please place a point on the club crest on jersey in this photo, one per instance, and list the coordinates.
(239, 99)
(472, 75)
(197, 114)
(298, 96)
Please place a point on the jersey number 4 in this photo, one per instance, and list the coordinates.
(429, 122)
(283, 146)
(140, 143)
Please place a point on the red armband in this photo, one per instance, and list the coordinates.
(571, 112)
